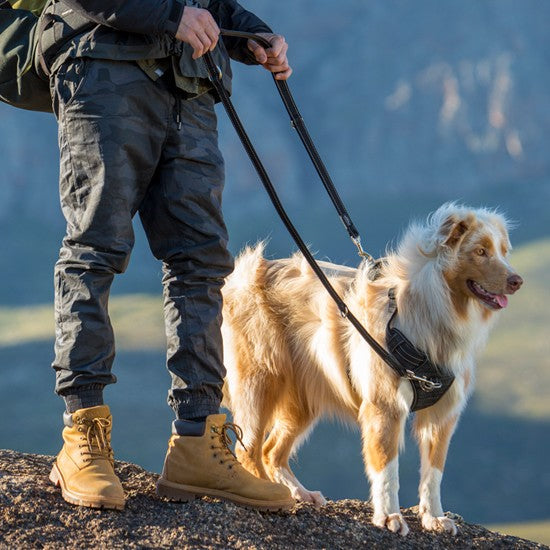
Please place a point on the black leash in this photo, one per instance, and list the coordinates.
(297, 122)
(215, 77)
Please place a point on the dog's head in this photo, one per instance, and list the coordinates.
(474, 245)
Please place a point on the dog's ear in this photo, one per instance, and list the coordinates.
(452, 230)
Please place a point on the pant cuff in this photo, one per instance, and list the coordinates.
(83, 397)
(188, 411)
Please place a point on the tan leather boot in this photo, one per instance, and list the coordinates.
(84, 467)
(204, 465)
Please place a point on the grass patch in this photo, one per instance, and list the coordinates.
(137, 320)
(537, 531)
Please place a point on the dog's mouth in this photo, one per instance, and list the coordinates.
(490, 299)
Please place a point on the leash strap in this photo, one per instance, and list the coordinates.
(215, 77)
(297, 122)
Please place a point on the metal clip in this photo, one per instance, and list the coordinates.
(426, 384)
(219, 73)
(365, 255)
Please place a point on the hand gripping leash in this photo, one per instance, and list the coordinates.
(298, 123)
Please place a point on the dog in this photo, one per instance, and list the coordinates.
(292, 358)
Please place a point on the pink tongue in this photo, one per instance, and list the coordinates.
(502, 300)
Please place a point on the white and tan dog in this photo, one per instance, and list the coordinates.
(291, 357)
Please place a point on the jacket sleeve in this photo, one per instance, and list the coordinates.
(138, 16)
(231, 15)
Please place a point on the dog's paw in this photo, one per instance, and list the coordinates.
(393, 522)
(313, 497)
(441, 524)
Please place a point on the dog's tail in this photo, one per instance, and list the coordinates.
(246, 268)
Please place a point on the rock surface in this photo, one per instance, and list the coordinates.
(33, 515)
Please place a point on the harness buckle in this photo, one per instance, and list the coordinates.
(426, 384)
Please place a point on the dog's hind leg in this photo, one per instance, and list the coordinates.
(289, 428)
(253, 402)
(382, 430)
(433, 441)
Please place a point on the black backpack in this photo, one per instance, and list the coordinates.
(20, 84)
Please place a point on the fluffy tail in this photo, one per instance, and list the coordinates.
(246, 266)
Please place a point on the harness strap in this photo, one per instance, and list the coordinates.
(429, 381)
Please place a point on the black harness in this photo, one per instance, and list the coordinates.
(428, 380)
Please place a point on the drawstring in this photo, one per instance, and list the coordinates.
(178, 111)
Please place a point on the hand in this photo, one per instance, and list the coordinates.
(198, 28)
(274, 58)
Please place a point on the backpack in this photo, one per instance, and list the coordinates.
(20, 84)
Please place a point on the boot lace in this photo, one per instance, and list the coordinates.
(98, 432)
(226, 455)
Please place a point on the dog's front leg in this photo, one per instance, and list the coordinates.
(382, 431)
(433, 440)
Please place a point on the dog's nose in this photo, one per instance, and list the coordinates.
(514, 283)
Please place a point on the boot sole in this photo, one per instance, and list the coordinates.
(81, 500)
(185, 493)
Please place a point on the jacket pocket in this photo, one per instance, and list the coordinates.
(71, 79)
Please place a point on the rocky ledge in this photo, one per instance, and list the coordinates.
(33, 515)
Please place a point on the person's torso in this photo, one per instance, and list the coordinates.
(66, 33)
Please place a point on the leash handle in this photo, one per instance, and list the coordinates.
(263, 42)
(297, 122)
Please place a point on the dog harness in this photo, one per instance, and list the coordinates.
(429, 381)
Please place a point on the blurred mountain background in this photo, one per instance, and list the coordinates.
(411, 104)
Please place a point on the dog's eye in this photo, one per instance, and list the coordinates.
(481, 251)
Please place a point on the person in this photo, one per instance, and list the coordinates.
(137, 134)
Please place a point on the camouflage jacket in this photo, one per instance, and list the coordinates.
(142, 31)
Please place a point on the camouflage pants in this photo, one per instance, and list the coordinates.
(122, 153)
